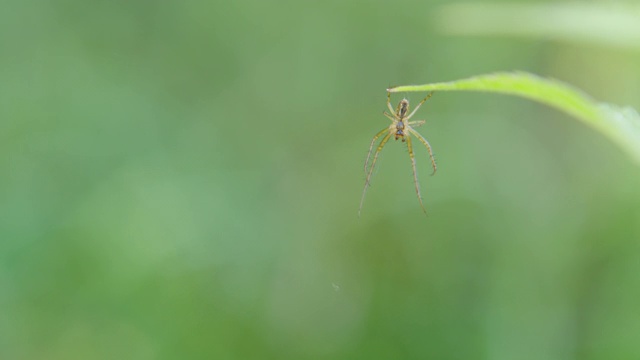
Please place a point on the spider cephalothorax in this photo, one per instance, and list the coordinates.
(400, 128)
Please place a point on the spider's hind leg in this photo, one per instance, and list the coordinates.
(420, 104)
(389, 103)
(390, 117)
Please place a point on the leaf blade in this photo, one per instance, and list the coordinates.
(621, 125)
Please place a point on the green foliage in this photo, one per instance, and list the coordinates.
(613, 25)
(180, 180)
(621, 125)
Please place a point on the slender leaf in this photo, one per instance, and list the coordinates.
(621, 125)
(597, 23)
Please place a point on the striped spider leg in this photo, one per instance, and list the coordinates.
(400, 128)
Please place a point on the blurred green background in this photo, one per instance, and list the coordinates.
(181, 180)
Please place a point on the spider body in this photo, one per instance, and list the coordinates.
(403, 108)
(400, 128)
(400, 131)
(401, 113)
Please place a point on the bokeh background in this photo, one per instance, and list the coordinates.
(181, 180)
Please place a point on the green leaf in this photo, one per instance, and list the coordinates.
(611, 24)
(621, 125)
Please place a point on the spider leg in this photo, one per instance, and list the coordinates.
(373, 141)
(389, 103)
(417, 107)
(415, 172)
(389, 116)
(426, 143)
(416, 123)
(373, 164)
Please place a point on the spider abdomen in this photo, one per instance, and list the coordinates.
(403, 108)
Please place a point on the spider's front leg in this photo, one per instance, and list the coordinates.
(373, 141)
(426, 144)
(373, 164)
(415, 172)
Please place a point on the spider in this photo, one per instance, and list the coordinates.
(400, 128)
